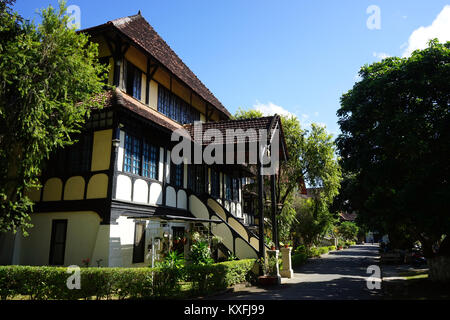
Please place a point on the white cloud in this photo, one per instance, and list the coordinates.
(440, 28)
(381, 55)
(270, 108)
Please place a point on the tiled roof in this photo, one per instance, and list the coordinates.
(119, 98)
(264, 123)
(142, 33)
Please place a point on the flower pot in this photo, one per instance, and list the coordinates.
(268, 280)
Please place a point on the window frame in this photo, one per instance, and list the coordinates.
(133, 80)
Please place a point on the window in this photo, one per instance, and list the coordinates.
(236, 189)
(74, 159)
(215, 184)
(80, 154)
(228, 188)
(58, 242)
(133, 80)
(196, 178)
(132, 161)
(140, 155)
(150, 157)
(176, 174)
(176, 108)
(139, 242)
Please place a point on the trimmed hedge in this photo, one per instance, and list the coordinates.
(49, 283)
(301, 254)
(218, 276)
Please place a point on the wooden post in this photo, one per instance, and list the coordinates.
(274, 212)
(261, 212)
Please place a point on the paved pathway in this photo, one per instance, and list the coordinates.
(337, 275)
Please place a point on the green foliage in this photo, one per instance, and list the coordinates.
(302, 253)
(348, 230)
(200, 253)
(299, 259)
(40, 283)
(395, 145)
(314, 220)
(48, 76)
(247, 114)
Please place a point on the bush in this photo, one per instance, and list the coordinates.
(200, 253)
(331, 248)
(298, 259)
(39, 283)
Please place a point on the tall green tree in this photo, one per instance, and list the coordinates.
(48, 76)
(395, 146)
(348, 230)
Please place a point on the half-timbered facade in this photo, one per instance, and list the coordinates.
(115, 197)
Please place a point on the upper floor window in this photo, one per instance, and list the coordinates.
(132, 161)
(140, 157)
(150, 161)
(228, 193)
(176, 108)
(176, 174)
(72, 159)
(236, 189)
(196, 178)
(215, 183)
(133, 80)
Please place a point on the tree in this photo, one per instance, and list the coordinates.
(313, 220)
(348, 230)
(48, 77)
(311, 159)
(395, 145)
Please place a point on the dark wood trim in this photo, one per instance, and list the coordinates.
(260, 211)
(164, 184)
(99, 206)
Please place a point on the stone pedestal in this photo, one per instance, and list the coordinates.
(273, 254)
(287, 271)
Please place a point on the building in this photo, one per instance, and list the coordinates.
(115, 197)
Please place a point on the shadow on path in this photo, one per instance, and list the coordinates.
(339, 275)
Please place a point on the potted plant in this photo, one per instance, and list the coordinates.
(270, 276)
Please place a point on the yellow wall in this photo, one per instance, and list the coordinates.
(162, 77)
(74, 188)
(52, 190)
(34, 194)
(137, 58)
(181, 91)
(101, 150)
(82, 229)
(153, 95)
(97, 186)
(103, 49)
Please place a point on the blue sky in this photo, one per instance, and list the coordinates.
(278, 56)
